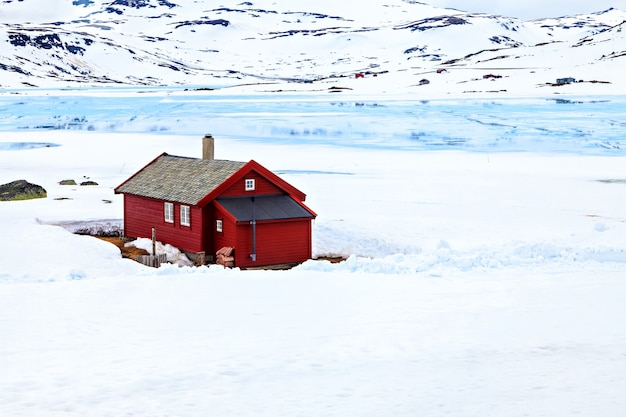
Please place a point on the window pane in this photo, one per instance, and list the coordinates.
(168, 210)
(184, 216)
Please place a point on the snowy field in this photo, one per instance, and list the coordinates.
(486, 271)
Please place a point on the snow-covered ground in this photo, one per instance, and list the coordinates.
(478, 284)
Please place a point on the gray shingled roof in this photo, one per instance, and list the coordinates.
(267, 207)
(180, 179)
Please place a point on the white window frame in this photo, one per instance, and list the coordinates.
(168, 212)
(250, 184)
(185, 216)
(219, 225)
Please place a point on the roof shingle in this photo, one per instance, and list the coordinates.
(179, 179)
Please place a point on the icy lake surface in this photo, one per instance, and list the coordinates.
(586, 125)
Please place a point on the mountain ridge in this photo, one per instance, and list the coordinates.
(159, 42)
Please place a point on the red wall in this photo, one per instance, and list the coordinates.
(228, 236)
(277, 242)
(142, 214)
(262, 186)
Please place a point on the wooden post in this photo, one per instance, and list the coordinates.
(154, 241)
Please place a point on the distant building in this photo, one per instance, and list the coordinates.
(567, 80)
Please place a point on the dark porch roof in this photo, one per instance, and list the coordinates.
(266, 207)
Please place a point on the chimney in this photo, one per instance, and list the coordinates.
(208, 147)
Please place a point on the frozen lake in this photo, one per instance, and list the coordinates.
(587, 125)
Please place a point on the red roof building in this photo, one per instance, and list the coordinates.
(203, 205)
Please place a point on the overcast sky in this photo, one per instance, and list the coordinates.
(530, 9)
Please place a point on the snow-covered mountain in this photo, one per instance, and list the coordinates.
(162, 42)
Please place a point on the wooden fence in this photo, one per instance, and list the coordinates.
(152, 260)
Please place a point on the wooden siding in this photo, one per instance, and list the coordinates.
(228, 236)
(277, 242)
(142, 214)
(262, 186)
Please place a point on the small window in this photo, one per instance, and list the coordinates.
(168, 210)
(184, 216)
(250, 184)
(219, 226)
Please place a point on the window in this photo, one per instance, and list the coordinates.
(219, 226)
(250, 184)
(184, 216)
(168, 210)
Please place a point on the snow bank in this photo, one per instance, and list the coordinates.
(444, 260)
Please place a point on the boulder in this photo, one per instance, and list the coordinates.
(21, 190)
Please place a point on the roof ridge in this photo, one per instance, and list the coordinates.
(201, 159)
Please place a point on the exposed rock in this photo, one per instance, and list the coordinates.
(67, 182)
(215, 22)
(21, 190)
(44, 41)
(88, 183)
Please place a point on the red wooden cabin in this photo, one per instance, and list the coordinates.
(203, 205)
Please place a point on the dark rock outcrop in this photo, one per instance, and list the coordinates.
(21, 190)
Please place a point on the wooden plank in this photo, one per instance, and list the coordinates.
(152, 260)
